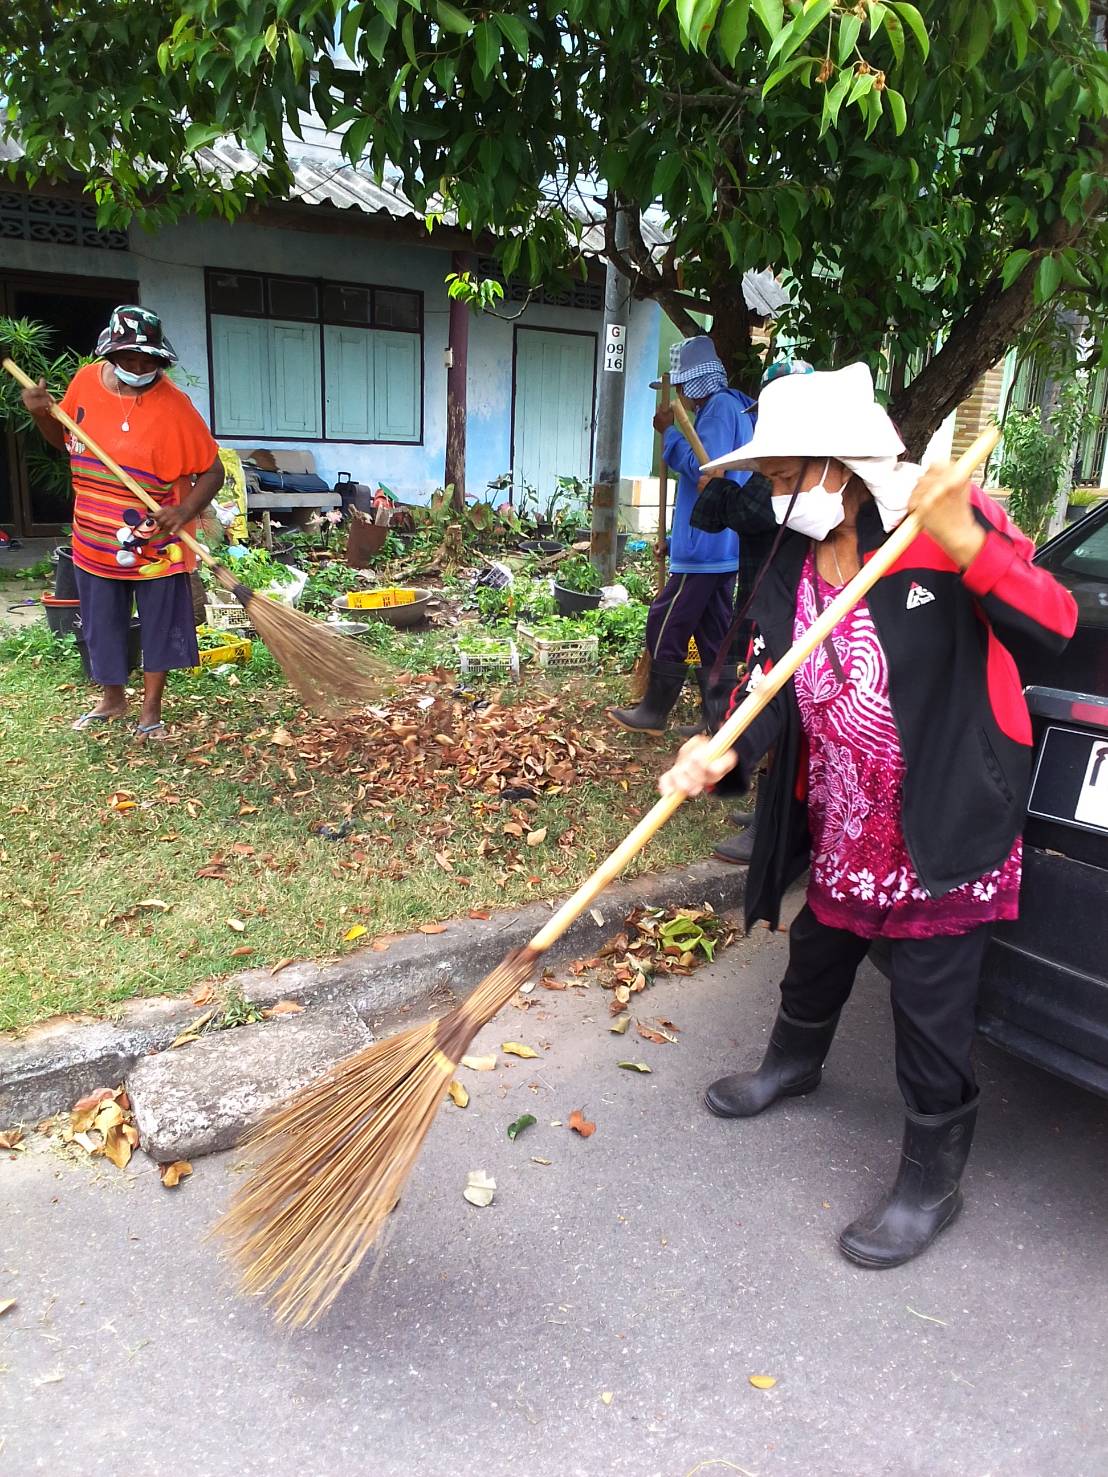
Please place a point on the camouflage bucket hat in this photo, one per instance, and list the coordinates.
(138, 329)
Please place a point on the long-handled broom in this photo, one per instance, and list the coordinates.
(328, 670)
(333, 1161)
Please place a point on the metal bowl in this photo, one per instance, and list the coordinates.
(394, 615)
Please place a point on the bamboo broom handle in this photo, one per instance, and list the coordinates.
(681, 416)
(770, 685)
(102, 456)
(663, 495)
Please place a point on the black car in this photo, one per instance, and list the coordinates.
(1044, 984)
(1044, 988)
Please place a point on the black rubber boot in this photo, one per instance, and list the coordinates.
(738, 849)
(740, 818)
(792, 1066)
(662, 691)
(927, 1194)
(690, 730)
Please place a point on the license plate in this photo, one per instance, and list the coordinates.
(1071, 779)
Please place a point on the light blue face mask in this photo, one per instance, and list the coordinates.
(135, 381)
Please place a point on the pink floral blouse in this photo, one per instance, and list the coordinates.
(862, 878)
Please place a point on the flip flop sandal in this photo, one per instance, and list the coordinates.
(86, 720)
(147, 731)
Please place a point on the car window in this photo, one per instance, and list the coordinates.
(1089, 558)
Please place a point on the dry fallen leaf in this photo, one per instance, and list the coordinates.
(762, 1381)
(282, 738)
(480, 1187)
(458, 1095)
(432, 928)
(536, 838)
(173, 1174)
(355, 932)
(117, 1147)
(479, 1063)
(10, 1138)
(635, 1066)
(517, 1048)
(597, 917)
(6, 1303)
(619, 1027)
(237, 924)
(202, 994)
(607, 1396)
(282, 1007)
(536, 1160)
(153, 905)
(121, 800)
(242, 951)
(93, 1099)
(580, 1124)
(281, 964)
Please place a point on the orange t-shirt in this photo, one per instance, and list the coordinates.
(165, 444)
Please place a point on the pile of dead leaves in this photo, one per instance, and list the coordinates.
(427, 738)
(653, 941)
(103, 1125)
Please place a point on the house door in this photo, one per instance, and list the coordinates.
(35, 496)
(552, 409)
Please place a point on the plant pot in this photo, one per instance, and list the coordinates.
(62, 616)
(65, 580)
(540, 546)
(573, 602)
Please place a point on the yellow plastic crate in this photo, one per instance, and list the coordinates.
(234, 649)
(379, 599)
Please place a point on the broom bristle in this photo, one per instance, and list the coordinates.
(332, 1162)
(328, 670)
(640, 677)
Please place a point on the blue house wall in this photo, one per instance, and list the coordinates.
(169, 268)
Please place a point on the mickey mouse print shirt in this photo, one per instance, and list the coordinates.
(164, 444)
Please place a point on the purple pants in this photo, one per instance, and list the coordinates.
(165, 615)
(699, 605)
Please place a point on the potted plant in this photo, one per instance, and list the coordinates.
(576, 586)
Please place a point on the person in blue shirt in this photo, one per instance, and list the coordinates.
(699, 596)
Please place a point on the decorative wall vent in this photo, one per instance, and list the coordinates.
(586, 295)
(57, 222)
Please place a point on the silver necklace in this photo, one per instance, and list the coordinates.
(125, 425)
(834, 555)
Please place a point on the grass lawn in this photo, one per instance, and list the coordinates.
(85, 875)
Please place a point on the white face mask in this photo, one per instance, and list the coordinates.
(135, 381)
(815, 512)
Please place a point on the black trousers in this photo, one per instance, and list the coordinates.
(934, 1001)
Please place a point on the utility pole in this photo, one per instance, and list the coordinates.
(609, 411)
(456, 373)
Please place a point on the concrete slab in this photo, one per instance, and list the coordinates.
(206, 1095)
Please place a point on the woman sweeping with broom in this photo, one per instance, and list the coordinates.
(902, 762)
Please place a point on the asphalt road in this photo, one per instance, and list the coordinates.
(661, 1262)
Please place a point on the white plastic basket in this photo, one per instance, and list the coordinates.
(579, 654)
(500, 659)
(226, 615)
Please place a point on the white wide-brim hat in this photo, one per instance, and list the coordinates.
(828, 413)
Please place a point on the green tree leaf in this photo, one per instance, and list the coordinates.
(515, 33)
(1048, 279)
(486, 44)
(732, 28)
(452, 19)
(914, 21)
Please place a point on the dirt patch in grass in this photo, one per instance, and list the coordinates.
(133, 870)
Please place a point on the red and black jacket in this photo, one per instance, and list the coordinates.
(955, 693)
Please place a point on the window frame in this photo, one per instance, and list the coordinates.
(321, 323)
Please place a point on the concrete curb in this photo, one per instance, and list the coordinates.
(47, 1068)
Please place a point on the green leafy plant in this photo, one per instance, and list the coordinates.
(1035, 455)
(41, 569)
(580, 575)
(31, 345)
(325, 583)
(622, 631)
(256, 570)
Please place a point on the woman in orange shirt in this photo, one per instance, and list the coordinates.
(122, 553)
